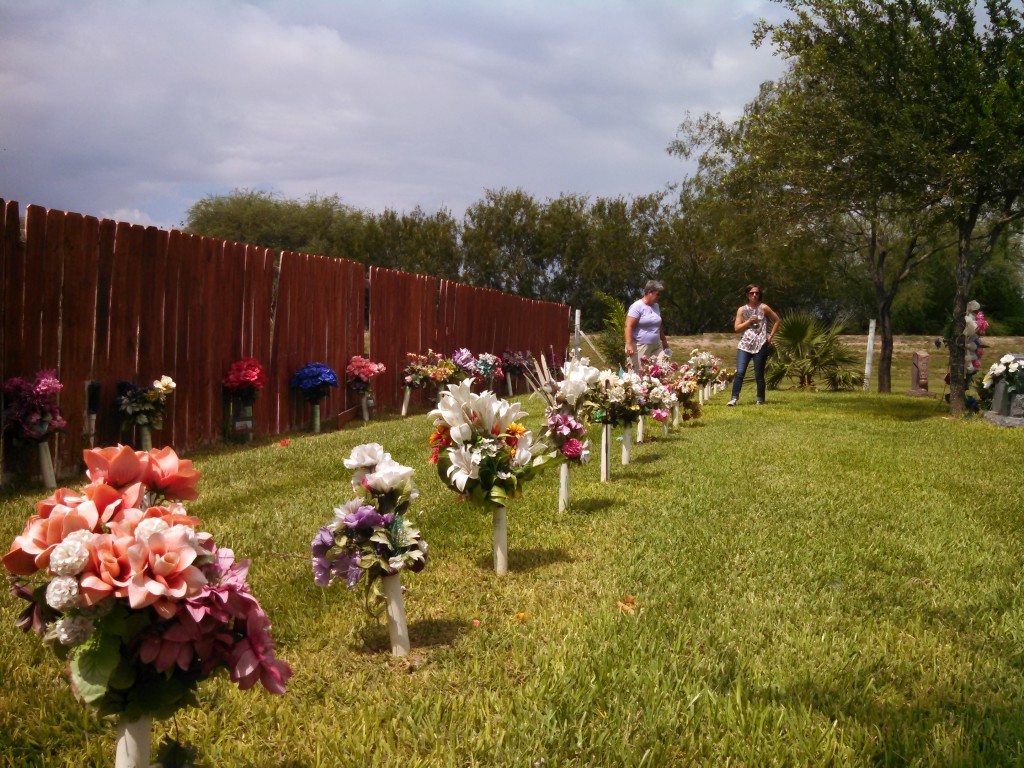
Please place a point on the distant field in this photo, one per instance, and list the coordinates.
(904, 347)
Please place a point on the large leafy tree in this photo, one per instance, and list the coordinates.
(926, 99)
(812, 175)
(316, 224)
(500, 243)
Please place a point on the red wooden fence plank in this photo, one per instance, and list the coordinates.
(13, 289)
(153, 258)
(187, 255)
(36, 276)
(50, 290)
(262, 283)
(104, 281)
(122, 338)
(78, 302)
(3, 303)
(172, 283)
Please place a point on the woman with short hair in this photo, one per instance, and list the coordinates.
(644, 335)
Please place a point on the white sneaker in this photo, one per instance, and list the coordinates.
(732, 402)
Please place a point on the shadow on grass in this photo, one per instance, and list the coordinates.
(433, 632)
(428, 633)
(590, 506)
(524, 560)
(646, 458)
(896, 407)
(989, 730)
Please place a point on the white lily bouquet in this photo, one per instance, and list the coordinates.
(483, 452)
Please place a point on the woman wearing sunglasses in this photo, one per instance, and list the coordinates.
(750, 321)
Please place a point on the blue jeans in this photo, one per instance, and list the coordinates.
(742, 361)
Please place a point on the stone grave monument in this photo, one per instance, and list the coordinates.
(919, 376)
(1007, 409)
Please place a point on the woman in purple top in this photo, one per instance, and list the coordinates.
(755, 342)
(644, 335)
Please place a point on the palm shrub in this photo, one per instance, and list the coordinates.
(811, 353)
(611, 340)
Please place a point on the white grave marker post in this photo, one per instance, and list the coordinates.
(871, 354)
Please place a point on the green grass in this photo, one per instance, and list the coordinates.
(828, 579)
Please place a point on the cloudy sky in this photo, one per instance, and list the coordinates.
(136, 109)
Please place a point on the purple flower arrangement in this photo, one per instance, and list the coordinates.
(371, 534)
(30, 412)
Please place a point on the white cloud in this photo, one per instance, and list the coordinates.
(145, 107)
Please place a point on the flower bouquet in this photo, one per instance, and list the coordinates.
(243, 383)
(515, 364)
(432, 368)
(705, 368)
(32, 415)
(618, 400)
(484, 454)
(677, 378)
(373, 535)
(1008, 371)
(144, 407)
(358, 373)
(314, 381)
(488, 368)
(141, 604)
(484, 367)
(566, 429)
(465, 361)
(245, 379)
(660, 399)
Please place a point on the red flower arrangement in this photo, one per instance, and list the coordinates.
(245, 379)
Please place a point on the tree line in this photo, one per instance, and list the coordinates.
(880, 177)
(572, 249)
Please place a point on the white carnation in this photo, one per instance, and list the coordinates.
(62, 593)
(73, 630)
(395, 563)
(81, 535)
(148, 527)
(69, 557)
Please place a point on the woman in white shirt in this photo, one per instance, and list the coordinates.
(754, 344)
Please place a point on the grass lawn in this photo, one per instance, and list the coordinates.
(828, 579)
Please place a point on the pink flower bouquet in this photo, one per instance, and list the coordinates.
(142, 604)
(359, 371)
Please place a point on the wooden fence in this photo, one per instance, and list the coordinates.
(413, 313)
(104, 301)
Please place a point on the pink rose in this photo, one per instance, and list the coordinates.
(572, 448)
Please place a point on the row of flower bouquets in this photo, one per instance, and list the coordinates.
(31, 411)
(143, 605)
